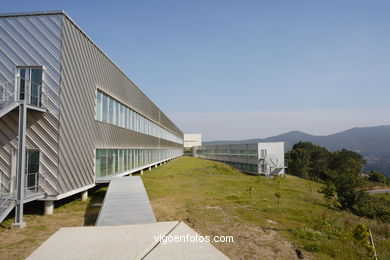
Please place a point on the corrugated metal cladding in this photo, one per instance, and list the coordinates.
(85, 68)
(28, 41)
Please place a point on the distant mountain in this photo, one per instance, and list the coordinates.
(372, 142)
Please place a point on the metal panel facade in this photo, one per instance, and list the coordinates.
(33, 41)
(84, 70)
(73, 69)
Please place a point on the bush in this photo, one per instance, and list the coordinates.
(362, 236)
(376, 176)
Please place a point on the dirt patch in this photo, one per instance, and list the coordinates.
(250, 242)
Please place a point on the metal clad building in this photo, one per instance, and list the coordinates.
(86, 120)
(266, 158)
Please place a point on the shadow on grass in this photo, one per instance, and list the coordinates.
(95, 203)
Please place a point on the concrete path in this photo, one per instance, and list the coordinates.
(379, 191)
(126, 202)
(124, 242)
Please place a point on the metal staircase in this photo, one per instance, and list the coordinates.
(274, 164)
(8, 100)
(7, 197)
(12, 98)
(31, 192)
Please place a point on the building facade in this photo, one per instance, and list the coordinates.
(191, 140)
(85, 120)
(265, 158)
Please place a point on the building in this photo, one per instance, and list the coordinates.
(80, 119)
(191, 140)
(256, 158)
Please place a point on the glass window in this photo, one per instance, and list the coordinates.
(111, 111)
(117, 113)
(99, 106)
(126, 119)
(105, 108)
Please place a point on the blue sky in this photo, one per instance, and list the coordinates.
(246, 69)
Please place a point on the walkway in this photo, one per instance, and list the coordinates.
(126, 202)
(125, 242)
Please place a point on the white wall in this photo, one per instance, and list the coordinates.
(191, 140)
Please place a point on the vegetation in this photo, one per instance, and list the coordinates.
(280, 218)
(216, 199)
(18, 244)
(342, 173)
(378, 177)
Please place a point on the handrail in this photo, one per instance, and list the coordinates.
(9, 95)
(39, 182)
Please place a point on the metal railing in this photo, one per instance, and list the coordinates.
(34, 183)
(7, 94)
(7, 197)
(35, 94)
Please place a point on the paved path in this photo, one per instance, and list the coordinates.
(126, 202)
(379, 191)
(124, 243)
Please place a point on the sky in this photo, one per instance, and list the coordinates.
(247, 69)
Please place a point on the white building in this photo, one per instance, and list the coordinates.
(265, 158)
(191, 140)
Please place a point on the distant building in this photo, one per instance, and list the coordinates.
(191, 140)
(255, 158)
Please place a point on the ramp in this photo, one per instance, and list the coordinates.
(126, 202)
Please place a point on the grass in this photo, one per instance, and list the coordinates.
(382, 196)
(216, 199)
(18, 244)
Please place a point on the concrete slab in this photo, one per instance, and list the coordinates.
(184, 249)
(126, 202)
(124, 242)
(119, 242)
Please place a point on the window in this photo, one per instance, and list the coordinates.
(110, 111)
(30, 82)
(99, 106)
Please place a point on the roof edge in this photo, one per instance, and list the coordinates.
(32, 13)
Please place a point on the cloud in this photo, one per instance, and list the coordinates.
(260, 124)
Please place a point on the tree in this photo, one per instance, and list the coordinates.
(309, 161)
(376, 176)
(351, 195)
(298, 163)
(346, 161)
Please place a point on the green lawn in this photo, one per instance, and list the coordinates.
(216, 199)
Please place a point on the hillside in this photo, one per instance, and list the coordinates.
(372, 142)
(216, 200)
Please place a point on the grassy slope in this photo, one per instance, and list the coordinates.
(216, 199)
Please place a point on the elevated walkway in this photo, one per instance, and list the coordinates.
(126, 202)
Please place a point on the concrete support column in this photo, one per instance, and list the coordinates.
(150, 168)
(142, 172)
(49, 207)
(84, 195)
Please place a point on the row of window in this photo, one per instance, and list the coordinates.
(114, 161)
(246, 153)
(245, 167)
(110, 111)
